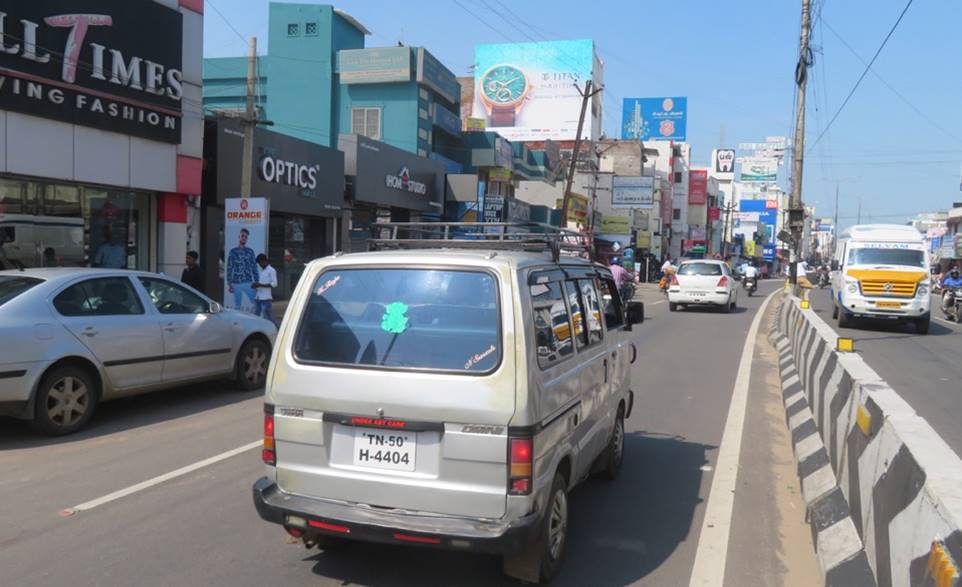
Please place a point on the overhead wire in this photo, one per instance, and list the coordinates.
(858, 82)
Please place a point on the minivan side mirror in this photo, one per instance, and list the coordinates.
(215, 308)
(636, 313)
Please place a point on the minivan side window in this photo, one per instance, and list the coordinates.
(611, 300)
(577, 313)
(552, 324)
(592, 307)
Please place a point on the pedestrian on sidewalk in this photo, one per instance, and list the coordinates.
(266, 281)
(192, 274)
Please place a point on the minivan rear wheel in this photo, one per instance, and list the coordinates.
(539, 561)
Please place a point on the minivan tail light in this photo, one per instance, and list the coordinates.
(723, 281)
(268, 454)
(520, 465)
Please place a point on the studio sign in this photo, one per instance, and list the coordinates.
(272, 169)
(402, 181)
(103, 66)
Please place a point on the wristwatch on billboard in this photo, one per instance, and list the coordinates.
(504, 89)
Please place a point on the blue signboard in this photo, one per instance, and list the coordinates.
(768, 252)
(664, 119)
(447, 120)
(436, 76)
(766, 214)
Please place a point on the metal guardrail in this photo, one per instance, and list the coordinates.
(518, 236)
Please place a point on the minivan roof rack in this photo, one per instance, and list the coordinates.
(515, 236)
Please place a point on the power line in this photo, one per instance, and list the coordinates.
(861, 77)
(224, 18)
(890, 87)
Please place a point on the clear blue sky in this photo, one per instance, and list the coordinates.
(735, 61)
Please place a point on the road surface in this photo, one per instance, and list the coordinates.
(926, 370)
(198, 526)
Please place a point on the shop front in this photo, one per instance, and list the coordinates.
(97, 163)
(304, 184)
(385, 183)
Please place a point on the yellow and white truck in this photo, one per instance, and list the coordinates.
(881, 271)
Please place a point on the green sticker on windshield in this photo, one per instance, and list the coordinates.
(395, 318)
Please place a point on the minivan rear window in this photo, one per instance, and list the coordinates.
(12, 286)
(402, 319)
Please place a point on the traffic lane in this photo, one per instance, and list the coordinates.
(128, 441)
(202, 527)
(924, 369)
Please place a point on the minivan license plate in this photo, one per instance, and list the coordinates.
(385, 449)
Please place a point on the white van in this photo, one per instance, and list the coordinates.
(881, 271)
(446, 398)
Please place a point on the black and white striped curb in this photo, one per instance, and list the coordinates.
(880, 485)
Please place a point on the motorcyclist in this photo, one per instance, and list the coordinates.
(621, 276)
(950, 283)
(749, 271)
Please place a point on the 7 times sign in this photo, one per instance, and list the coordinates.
(109, 64)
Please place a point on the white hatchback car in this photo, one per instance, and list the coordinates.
(70, 338)
(703, 282)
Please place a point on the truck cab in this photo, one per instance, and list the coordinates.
(881, 271)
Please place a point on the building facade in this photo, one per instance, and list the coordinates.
(101, 132)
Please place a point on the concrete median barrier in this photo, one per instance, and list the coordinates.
(883, 490)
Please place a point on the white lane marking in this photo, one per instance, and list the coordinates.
(656, 303)
(712, 553)
(89, 505)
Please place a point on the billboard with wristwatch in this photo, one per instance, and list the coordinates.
(527, 91)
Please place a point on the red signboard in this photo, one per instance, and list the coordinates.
(714, 213)
(698, 186)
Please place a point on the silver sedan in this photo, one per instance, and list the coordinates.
(71, 338)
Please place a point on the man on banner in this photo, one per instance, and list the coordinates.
(241, 271)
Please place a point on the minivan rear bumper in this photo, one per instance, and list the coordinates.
(373, 525)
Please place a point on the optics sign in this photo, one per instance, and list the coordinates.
(106, 64)
(272, 169)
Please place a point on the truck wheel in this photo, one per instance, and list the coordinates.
(844, 321)
(539, 561)
(672, 307)
(922, 325)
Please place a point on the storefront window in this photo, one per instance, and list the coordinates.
(58, 225)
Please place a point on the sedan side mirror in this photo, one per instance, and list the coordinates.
(215, 308)
(636, 313)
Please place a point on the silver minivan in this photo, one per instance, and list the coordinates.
(447, 398)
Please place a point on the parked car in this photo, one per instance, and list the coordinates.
(703, 283)
(447, 399)
(71, 338)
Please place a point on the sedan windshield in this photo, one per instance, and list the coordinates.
(873, 256)
(700, 269)
(402, 318)
(12, 286)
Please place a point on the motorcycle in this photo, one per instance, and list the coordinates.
(750, 284)
(823, 280)
(954, 310)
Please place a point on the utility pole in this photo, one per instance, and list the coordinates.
(726, 231)
(249, 122)
(586, 95)
(796, 213)
(835, 224)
